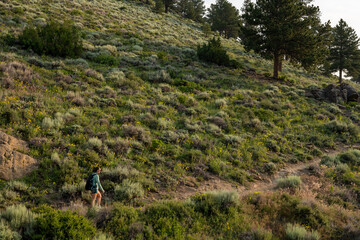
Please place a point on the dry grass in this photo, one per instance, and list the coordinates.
(16, 72)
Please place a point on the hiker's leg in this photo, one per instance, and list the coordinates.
(93, 198)
(98, 198)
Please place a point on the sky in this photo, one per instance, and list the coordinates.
(332, 10)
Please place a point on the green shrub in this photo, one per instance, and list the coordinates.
(19, 219)
(128, 191)
(213, 52)
(94, 143)
(119, 173)
(329, 161)
(71, 191)
(6, 233)
(169, 219)
(120, 221)
(341, 127)
(55, 224)
(214, 203)
(289, 182)
(351, 158)
(106, 59)
(296, 232)
(54, 38)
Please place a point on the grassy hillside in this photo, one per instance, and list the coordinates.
(141, 105)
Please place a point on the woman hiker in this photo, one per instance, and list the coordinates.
(96, 187)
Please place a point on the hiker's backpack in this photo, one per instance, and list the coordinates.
(89, 181)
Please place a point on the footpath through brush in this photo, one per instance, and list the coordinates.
(262, 184)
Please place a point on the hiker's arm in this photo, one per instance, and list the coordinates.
(98, 183)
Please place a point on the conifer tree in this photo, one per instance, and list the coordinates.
(193, 9)
(159, 6)
(344, 51)
(169, 4)
(224, 18)
(279, 28)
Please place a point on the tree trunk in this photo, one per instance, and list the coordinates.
(280, 64)
(340, 75)
(276, 65)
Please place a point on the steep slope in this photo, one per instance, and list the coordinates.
(140, 104)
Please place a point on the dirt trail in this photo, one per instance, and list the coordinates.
(263, 184)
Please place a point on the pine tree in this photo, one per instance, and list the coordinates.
(159, 6)
(224, 18)
(192, 9)
(169, 4)
(344, 51)
(279, 28)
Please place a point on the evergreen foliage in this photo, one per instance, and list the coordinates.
(206, 29)
(159, 6)
(344, 51)
(214, 52)
(291, 28)
(192, 9)
(54, 38)
(224, 18)
(168, 4)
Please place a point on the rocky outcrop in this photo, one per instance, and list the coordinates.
(335, 93)
(14, 164)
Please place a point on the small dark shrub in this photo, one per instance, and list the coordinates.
(56, 39)
(213, 52)
(351, 157)
(106, 59)
(214, 203)
(9, 116)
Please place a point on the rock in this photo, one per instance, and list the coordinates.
(332, 93)
(335, 93)
(352, 94)
(14, 164)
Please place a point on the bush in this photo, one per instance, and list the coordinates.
(128, 191)
(19, 219)
(119, 173)
(55, 224)
(160, 76)
(170, 219)
(213, 52)
(289, 182)
(6, 232)
(72, 190)
(214, 203)
(351, 157)
(56, 39)
(16, 71)
(94, 143)
(296, 232)
(120, 221)
(341, 127)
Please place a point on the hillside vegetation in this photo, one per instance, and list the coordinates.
(139, 103)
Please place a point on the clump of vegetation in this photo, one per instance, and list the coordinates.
(214, 52)
(289, 182)
(128, 191)
(15, 73)
(51, 225)
(296, 232)
(54, 38)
